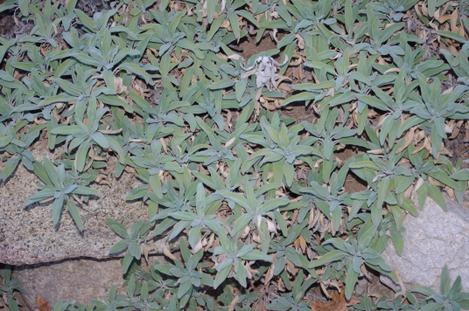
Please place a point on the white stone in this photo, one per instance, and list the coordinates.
(431, 240)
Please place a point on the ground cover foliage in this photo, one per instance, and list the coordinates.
(255, 205)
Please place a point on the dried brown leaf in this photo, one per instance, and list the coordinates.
(336, 303)
(42, 304)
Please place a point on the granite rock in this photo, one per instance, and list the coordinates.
(433, 239)
(80, 280)
(27, 236)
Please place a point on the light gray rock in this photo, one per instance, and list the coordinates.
(29, 237)
(431, 240)
(79, 280)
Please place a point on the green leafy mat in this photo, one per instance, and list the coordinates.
(257, 203)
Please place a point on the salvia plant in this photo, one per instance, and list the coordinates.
(9, 290)
(278, 144)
